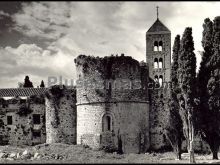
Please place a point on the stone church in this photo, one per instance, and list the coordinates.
(113, 106)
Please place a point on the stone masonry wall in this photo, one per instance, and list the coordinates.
(111, 86)
(130, 121)
(60, 115)
(21, 131)
(165, 54)
(158, 118)
(127, 77)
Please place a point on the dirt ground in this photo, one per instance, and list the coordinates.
(63, 153)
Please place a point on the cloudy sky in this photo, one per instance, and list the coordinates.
(41, 39)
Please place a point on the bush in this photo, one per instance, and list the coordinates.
(109, 148)
(24, 110)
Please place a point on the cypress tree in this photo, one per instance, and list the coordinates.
(207, 123)
(214, 89)
(174, 126)
(187, 79)
(212, 129)
(174, 67)
(27, 83)
(42, 84)
(209, 86)
(204, 70)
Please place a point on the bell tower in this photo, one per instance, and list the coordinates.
(158, 51)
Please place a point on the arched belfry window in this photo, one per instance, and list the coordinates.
(160, 63)
(155, 63)
(156, 78)
(161, 80)
(156, 46)
(160, 48)
(106, 123)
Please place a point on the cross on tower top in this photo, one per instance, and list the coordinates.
(157, 12)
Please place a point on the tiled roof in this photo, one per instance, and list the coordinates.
(158, 26)
(13, 92)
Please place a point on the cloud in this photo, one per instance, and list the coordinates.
(29, 59)
(88, 24)
(192, 14)
(63, 30)
(44, 20)
(3, 14)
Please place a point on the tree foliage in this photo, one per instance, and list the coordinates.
(186, 81)
(42, 84)
(175, 65)
(209, 85)
(27, 83)
(174, 125)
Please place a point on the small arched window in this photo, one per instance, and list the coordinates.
(155, 63)
(155, 46)
(156, 78)
(106, 123)
(160, 63)
(161, 80)
(109, 85)
(160, 48)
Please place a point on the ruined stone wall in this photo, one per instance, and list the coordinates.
(125, 100)
(60, 105)
(158, 117)
(21, 131)
(123, 73)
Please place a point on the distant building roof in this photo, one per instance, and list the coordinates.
(158, 26)
(13, 92)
